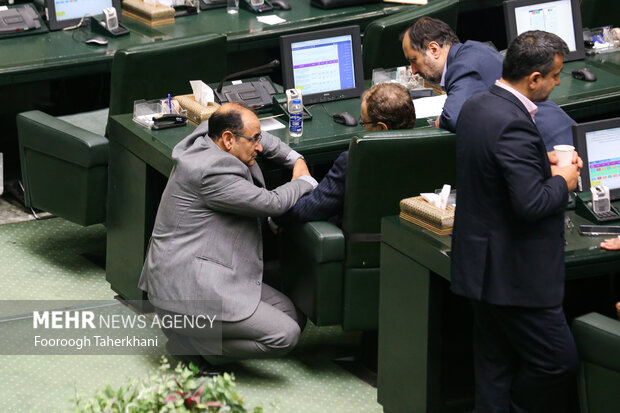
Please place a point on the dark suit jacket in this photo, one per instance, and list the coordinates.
(508, 240)
(325, 202)
(473, 67)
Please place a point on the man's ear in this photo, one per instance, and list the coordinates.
(534, 79)
(227, 140)
(434, 49)
(382, 125)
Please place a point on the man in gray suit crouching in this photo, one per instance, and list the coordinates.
(207, 244)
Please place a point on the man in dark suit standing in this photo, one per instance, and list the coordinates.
(464, 69)
(508, 242)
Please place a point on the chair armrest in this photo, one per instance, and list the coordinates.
(321, 240)
(47, 134)
(598, 340)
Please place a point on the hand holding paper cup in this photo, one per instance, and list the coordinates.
(564, 154)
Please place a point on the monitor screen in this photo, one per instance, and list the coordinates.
(66, 13)
(560, 17)
(598, 144)
(325, 65)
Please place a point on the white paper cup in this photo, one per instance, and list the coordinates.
(564, 154)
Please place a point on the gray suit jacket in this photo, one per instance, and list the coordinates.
(206, 242)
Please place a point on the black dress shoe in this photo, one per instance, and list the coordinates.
(182, 350)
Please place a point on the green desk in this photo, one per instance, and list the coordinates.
(53, 71)
(414, 292)
(585, 101)
(140, 162)
(64, 53)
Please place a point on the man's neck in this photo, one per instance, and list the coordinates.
(520, 86)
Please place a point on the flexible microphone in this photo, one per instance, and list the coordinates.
(255, 70)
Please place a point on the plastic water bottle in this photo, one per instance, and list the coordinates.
(296, 121)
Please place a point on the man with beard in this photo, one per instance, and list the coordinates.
(465, 69)
(508, 239)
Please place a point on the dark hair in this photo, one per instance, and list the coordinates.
(426, 30)
(391, 104)
(531, 52)
(227, 118)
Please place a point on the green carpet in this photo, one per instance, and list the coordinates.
(48, 260)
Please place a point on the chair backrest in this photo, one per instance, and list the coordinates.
(384, 168)
(598, 342)
(153, 70)
(382, 47)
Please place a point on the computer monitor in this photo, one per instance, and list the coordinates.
(326, 64)
(67, 13)
(598, 144)
(560, 17)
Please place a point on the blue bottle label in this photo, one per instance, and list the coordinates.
(295, 122)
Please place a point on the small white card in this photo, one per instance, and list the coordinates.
(270, 19)
(271, 124)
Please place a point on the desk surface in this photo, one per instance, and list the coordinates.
(64, 53)
(582, 252)
(322, 139)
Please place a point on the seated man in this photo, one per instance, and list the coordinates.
(384, 106)
(465, 69)
(207, 244)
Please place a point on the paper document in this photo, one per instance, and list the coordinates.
(429, 107)
(270, 19)
(271, 124)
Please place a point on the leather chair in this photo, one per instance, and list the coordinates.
(332, 273)
(64, 159)
(382, 47)
(598, 342)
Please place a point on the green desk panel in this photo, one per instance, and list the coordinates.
(244, 30)
(414, 374)
(585, 101)
(57, 55)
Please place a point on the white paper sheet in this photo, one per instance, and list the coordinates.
(271, 124)
(270, 19)
(429, 107)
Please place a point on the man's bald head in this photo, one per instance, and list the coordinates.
(233, 117)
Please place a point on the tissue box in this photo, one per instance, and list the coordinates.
(420, 212)
(196, 112)
(147, 14)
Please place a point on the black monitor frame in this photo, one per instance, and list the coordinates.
(328, 96)
(581, 145)
(55, 24)
(511, 24)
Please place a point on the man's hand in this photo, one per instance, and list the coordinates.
(553, 159)
(611, 244)
(570, 174)
(300, 169)
(437, 121)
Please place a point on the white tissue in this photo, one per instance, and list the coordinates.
(431, 198)
(203, 94)
(439, 200)
(443, 196)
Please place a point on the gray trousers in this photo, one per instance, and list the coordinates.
(272, 331)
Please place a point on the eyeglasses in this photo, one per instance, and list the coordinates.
(362, 123)
(254, 139)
